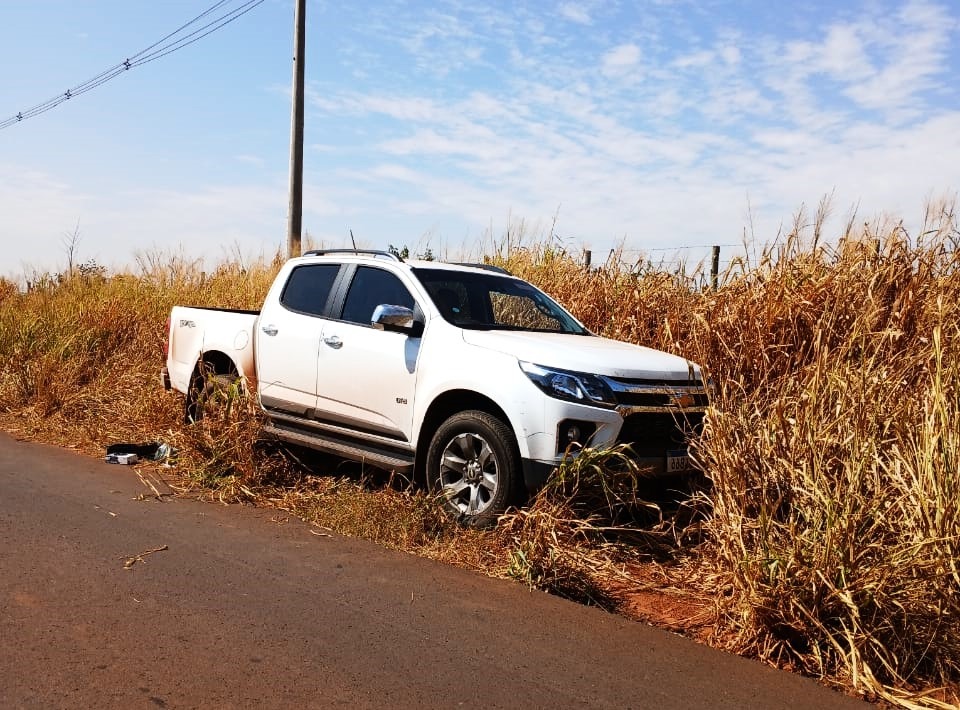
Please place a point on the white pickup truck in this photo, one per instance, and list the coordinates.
(461, 376)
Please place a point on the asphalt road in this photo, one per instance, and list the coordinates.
(240, 611)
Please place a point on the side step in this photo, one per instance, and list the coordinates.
(353, 450)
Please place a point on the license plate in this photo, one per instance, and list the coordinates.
(678, 460)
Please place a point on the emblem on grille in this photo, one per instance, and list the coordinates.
(682, 400)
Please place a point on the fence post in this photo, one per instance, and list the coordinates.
(715, 267)
(586, 258)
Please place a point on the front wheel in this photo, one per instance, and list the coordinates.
(474, 465)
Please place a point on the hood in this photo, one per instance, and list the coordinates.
(584, 353)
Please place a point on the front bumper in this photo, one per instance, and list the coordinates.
(536, 473)
(672, 462)
(656, 422)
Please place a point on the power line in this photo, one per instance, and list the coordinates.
(160, 48)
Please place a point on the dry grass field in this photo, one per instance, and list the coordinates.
(825, 539)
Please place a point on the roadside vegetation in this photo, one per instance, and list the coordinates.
(824, 536)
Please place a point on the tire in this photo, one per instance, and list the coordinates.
(212, 395)
(474, 466)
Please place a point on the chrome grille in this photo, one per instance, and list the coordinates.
(658, 395)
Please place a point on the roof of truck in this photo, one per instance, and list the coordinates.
(377, 255)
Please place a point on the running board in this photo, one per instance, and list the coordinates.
(355, 451)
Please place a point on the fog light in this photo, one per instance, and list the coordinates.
(573, 433)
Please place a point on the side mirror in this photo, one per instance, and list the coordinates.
(398, 319)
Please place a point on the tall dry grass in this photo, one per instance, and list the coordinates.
(80, 355)
(829, 535)
(832, 443)
(833, 453)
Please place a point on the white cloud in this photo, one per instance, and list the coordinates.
(621, 59)
(430, 142)
(575, 12)
(882, 61)
(694, 60)
(842, 54)
(915, 54)
(730, 54)
(542, 147)
(408, 108)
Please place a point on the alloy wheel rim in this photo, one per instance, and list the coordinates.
(469, 473)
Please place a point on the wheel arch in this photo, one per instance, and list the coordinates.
(218, 362)
(214, 362)
(442, 408)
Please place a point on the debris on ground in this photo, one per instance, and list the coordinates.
(151, 482)
(129, 562)
(132, 453)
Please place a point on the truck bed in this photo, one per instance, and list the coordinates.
(198, 330)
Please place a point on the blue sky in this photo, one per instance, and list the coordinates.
(659, 126)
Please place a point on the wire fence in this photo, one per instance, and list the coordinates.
(699, 265)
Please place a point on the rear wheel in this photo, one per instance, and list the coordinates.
(213, 395)
(473, 463)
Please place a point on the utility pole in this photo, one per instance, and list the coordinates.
(295, 213)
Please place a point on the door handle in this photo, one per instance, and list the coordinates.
(334, 342)
(269, 329)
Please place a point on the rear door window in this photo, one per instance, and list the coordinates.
(308, 288)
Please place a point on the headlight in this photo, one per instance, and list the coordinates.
(571, 386)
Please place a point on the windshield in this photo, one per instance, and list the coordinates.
(489, 301)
